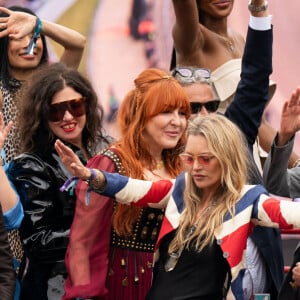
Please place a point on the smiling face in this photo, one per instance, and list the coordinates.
(19, 60)
(70, 128)
(216, 8)
(164, 130)
(205, 176)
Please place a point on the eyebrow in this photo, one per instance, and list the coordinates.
(202, 153)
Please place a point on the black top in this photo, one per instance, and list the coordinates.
(197, 276)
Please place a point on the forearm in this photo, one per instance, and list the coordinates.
(267, 133)
(72, 41)
(275, 175)
(252, 92)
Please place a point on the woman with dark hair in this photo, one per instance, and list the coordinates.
(19, 27)
(59, 103)
(111, 246)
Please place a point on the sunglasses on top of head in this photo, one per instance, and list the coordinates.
(76, 107)
(189, 74)
(210, 106)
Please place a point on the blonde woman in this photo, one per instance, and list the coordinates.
(210, 212)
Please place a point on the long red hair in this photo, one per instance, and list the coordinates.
(155, 92)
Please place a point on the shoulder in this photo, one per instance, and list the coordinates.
(26, 164)
(107, 160)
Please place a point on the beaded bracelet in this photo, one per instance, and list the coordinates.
(35, 35)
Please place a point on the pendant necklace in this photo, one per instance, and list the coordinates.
(174, 256)
(159, 165)
(228, 42)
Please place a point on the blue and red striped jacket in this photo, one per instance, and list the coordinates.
(255, 207)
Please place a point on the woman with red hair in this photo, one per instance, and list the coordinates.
(111, 245)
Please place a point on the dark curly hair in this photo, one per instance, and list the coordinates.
(5, 76)
(36, 137)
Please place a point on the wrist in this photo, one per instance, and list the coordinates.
(96, 179)
(35, 35)
(258, 10)
(283, 138)
(87, 175)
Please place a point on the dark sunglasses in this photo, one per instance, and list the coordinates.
(210, 106)
(76, 107)
(189, 74)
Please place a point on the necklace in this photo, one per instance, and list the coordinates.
(159, 165)
(174, 256)
(228, 42)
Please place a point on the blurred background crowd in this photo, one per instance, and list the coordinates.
(125, 37)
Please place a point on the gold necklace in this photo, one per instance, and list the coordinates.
(159, 165)
(228, 42)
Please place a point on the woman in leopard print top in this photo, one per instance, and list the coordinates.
(16, 67)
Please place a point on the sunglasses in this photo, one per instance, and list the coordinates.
(191, 74)
(189, 159)
(76, 107)
(210, 106)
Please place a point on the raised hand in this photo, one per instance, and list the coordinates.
(4, 130)
(17, 24)
(71, 161)
(290, 118)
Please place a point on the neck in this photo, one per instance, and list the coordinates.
(218, 26)
(156, 155)
(20, 74)
(207, 196)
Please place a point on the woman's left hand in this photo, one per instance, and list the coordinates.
(4, 130)
(72, 161)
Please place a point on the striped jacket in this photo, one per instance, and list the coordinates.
(255, 207)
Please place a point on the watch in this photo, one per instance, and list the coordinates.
(254, 8)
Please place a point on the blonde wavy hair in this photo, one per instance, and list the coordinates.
(227, 144)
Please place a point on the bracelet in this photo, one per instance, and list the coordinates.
(254, 8)
(96, 180)
(35, 35)
(38, 27)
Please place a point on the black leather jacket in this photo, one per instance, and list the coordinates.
(48, 213)
(7, 273)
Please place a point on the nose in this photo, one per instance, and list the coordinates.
(67, 116)
(26, 40)
(196, 165)
(203, 111)
(176, 118)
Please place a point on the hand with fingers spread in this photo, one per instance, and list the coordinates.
(17, 24)
(290, 118)
(4, 130)
(72, 161)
